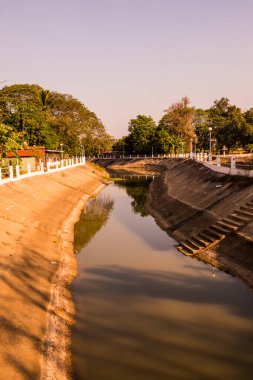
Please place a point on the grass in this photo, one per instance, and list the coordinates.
(97, 167)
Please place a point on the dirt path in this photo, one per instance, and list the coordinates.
(36, 231)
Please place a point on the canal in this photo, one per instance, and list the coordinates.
(146, 312)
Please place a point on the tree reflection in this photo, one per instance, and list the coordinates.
(92, 219)
(138, 190)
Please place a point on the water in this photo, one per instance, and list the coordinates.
(146, 312)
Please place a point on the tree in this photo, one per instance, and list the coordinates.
(248, 137)
(179, 119)
(178, 122)
(50, 118)
(120, 145)
(9, 140)
(229, 124)
(163, 141)
(201, 125)
(141, 136)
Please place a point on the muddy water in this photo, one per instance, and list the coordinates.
(144, 311)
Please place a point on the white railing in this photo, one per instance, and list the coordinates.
(144, 156)
(231, 166)
(215, 163)
(51, 167)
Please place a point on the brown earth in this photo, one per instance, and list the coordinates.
(36, 266)
(188, 197)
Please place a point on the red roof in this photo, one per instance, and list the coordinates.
(31, 152)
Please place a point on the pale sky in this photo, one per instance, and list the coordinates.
(122, 58)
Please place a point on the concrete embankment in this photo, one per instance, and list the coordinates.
(153, 164)
(188, 197)
(36, 266)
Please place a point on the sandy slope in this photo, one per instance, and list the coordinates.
(36, 221)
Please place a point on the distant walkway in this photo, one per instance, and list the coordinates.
(221, 164)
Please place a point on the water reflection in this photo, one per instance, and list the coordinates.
(92, 219)
(154, 325)
(137, 190)
(145, 312)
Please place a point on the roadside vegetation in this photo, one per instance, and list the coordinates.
(183, 128)
(33, 116)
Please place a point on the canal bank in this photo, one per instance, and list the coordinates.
(146, 312)
(36, 266)
(193, 203)
(189, 199)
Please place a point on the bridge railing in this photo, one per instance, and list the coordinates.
(229, 164)
(143, 156)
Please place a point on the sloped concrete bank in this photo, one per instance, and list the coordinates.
(36, 267)
(188, 197)
(151, 164)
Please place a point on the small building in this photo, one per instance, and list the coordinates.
(30, 155)
(53, 154)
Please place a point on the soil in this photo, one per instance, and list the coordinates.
(36, 266)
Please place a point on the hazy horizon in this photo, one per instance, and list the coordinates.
(128, 57)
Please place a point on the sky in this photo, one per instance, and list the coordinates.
(122, 58)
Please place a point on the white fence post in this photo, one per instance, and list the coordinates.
(218, 160)
(232, 163)
(28, 168)
(42, 167)
(48, 166)
(0, 174)
(10, 172)
(17, 171)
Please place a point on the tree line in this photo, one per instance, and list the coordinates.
(33, 116)
(184, 128)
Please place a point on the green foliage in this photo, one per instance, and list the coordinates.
(249, 148)
(163, 141)
(120, 145)
(229, 125)
(176, 128)
(183, 126)
(9, 140)
(142, 133)
(201, 125)
(178, 119)
(50, 118)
